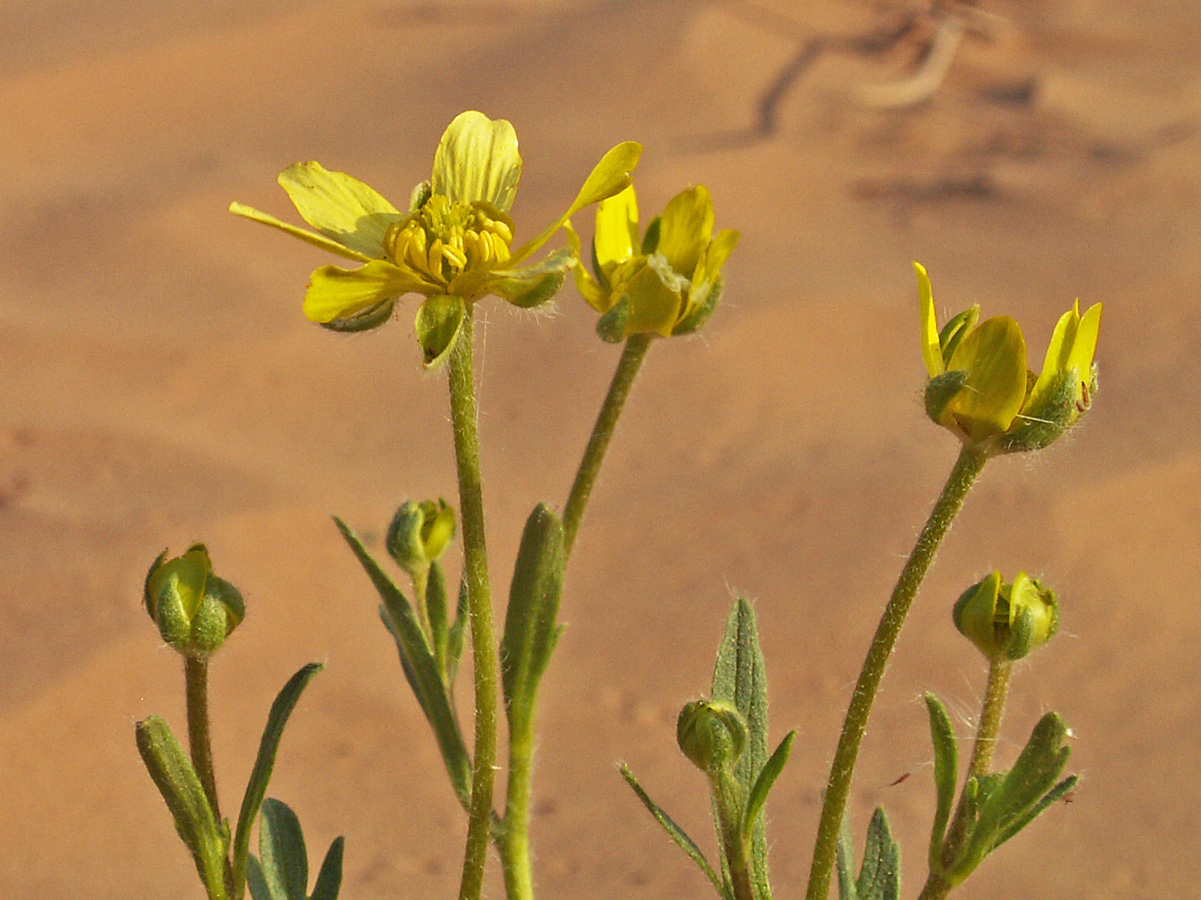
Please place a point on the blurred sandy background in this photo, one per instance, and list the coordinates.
(160, 385)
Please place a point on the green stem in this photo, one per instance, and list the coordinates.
(967, 467)
(514, 842)
(196, 677)
(421, 580)
(937, 885)
(606, 421)
(463, 416)
(729, 803)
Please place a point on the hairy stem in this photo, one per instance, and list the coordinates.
(606, 421)
(514, 842)
(463, 415)
(196, 677)
(967, 467)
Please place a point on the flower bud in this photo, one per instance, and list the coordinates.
(195, 611)
(711, 734)
(1007, 620)
(419, 533)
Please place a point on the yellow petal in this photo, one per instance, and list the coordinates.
(338, 293)
(931, 349)
(686, 228)
(1085, 345)
(994, 358)
(589, 288)
(477, 159)
(616, 228)
(655, 307)
(1055, 364)
(317, 240)
(608, 177)
(340, 207)
(714, 256)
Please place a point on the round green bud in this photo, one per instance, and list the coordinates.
(1006, 620)
(419, 533)
(195, 611)
(711, 734)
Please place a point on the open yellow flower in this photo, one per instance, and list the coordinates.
(668, 281)
(454, 245)
(980, 388)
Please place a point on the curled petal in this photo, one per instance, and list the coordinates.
(994, 358)
(477, 159)
(1085, 345)
(714, 256)
(336, 293)
(590, 289)
(931, 350)
(686, 228)
(340, 207)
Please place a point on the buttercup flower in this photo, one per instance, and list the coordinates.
(980, 388)
(454, 245)
(1006, 620)
(669, 281)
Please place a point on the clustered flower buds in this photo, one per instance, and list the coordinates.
(419, 533)
(1006, 620)
(711, 734)
(195, 611)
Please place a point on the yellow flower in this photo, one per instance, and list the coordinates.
(454, 245)
(980, 388)
(669, 281)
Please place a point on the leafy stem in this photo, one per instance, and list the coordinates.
(967, 467)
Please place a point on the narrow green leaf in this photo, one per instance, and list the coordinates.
(740, 678)
(329, 879)
(435, 605)
(420, 667)
(1035, 772)
(675, 832)
(256, 881)
(880, 876)
(534, 596)
(176, 780)
(767, 779)
(946, 773)
(1018, 823)
(285, 863)
(260, 775)
(845, 862)
(457, 637)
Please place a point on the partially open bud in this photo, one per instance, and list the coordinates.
(195, 611)
(419, 533)
(711, 734)
(1007, 620)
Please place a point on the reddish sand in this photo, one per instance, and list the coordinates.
(162, 386)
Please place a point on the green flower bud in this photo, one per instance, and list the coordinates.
(1007, 620)
(195, 611)
(711, 734)
(419, 533)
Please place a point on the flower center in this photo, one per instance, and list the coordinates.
(442, 239)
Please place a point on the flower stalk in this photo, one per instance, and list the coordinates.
(967, 467)
(196, 678)
(464, 418)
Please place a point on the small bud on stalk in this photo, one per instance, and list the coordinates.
(1006, 620)
(195, 611)
(419, 533)
(711, 734)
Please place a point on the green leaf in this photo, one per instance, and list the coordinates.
(880, 875)
(285, 864)
(675, 832)
(845, 863)
(177, 782)
(740, 678)
(767, 779)
(1018, 823)
(534, 594)
(329, 879)
(946, 773)
(457, 637)
(420, 667)
(260, 775)
(256, 881)
(435, 605)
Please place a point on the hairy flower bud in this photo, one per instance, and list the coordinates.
(711, 734)
(195, 611)
(419, 533)
(1006, 620)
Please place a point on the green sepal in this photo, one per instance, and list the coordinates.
(457, 636)
(611, 326)
(676, 833)
(941, 390)
(283, 861)
(260, 775)
(946, 774)
(1038, 426)
(702, 310)
(177, 782)
(530, 630)
(419, 665)
(536, 284)
(365, 321)
(438, 324)
(740, 678)
(650, 239)
(329, 876)
(435, 607)
(767, 779)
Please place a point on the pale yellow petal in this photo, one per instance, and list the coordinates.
(1085, 345)
(931, 349)
(617, 228)
(477, 159)
(685, 228)
(336, 293)
(317, 240)
(1058, 353)
(589, 288)
(340, 207)
(994, 358)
